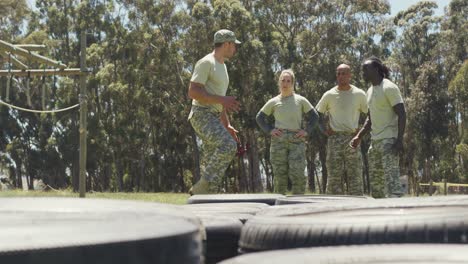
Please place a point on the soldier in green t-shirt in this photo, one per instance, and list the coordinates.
(344, 104)
(209, 113)
(288, 135)
(386, 120)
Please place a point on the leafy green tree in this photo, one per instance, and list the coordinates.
(12, 15)
(459, 89)
(142, 54)
(419, 69)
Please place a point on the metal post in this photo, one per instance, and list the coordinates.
(83, 115)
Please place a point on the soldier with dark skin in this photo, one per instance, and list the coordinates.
(209, 114)
(344, 104)
(387, 121)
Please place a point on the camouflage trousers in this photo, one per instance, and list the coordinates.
(287, 155)
(218, 146)
(344, 166)
(384, 169)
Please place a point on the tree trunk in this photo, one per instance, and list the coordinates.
(19, 174)
(119, 174)
(196, 156)
(365, 166)
(67, 34)
(19, 181)
(106, 175)
(243, 184)
(311, 168)
(323, 161)
(254, 164)
(75, 171)
(427, 171)
(268, 167)
(141, 180)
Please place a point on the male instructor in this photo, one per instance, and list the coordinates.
(209, 113)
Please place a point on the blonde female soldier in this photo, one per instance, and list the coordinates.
(288, 135)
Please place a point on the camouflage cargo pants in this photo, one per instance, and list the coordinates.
(287, 155)
(344, 166)
(218, 146)
(384, 169)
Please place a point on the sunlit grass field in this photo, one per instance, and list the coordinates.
(170, 198)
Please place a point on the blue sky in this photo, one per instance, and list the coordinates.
(399, 5)
(31, 2)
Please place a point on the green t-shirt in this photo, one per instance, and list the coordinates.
(287, 111)
(214, 76)
(381, 99)
(343, 107)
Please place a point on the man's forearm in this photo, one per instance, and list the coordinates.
(401, 113)
(401, 126)
(365, 128)
(225, 118)
(197, 91)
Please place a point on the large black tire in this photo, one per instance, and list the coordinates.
(269, 199)
(367, 254)
(316, 198)
(241, 211)
(312, 208)
(59, 230)
(222, 238)
(381, 221)
(223, 223)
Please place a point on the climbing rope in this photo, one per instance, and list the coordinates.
(38, 111)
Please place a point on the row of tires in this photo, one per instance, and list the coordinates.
(361, 228)
(235, 229)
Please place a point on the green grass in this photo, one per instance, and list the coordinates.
(170, 198)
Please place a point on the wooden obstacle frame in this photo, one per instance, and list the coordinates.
(12, 53)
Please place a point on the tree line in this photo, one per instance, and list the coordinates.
(142, 54)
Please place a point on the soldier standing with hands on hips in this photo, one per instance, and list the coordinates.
(288, 135)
